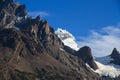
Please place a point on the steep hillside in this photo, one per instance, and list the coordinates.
(30, 50)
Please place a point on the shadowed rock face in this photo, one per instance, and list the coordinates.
(10, 12)
(115, 56)
(85, 54)
(21, 57)
(115, 53)
(39, 30)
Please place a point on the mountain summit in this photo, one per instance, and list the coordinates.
(115, 56)
(67, 38)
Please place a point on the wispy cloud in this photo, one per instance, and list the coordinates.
(36, 13)
(103, 41)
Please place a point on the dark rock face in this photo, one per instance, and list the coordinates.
(116, 56)
(85, 54)
(39, 30)
(21, 11)
(22, 58)
(69, 50)
(10, 12)
(115, 53)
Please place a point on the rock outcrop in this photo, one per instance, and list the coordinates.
(115, 56)
(11, 12)
(85, 54)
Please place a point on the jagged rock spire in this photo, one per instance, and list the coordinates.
(115, 56)
(10, 12)
(115, 53)
(86, 55)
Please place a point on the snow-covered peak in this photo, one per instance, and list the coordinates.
(106, 68)
(64, 34)
(67, 38)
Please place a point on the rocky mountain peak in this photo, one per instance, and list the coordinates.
(10, 12)
(63, 34)
(86, 55)
(115, 55)
(67, 38)
(85, 51)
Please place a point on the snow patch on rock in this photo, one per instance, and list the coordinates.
(106, 68)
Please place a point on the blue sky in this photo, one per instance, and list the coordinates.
(80, 17)
(77, 16)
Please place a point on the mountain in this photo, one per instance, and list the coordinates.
(30, 49)
(67, 38)
(85, 54)
(115, 56)
(107, 67)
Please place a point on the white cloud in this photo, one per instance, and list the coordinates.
(36, 13)
(102, 42)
